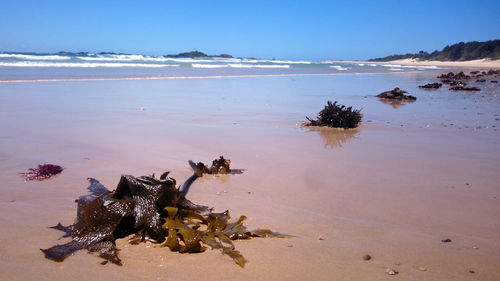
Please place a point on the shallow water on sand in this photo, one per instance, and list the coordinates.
(410, 176)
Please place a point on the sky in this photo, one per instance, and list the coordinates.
(299, 30)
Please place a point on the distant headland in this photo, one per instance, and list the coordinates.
(457, 52)
(198, 54)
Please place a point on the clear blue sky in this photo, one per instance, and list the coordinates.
(310, 29)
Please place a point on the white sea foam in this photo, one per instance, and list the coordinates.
(288, 61)
(361, 64)
(199, 65)
(80, 64)
(34, 57)
(240, 65)
(421, 66)
(372, 64)
(338, 67)
(411, 66)
(395, 69)
(141, 58)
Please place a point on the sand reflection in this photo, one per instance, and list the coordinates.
(395, 103)
(223, 178)
(334, 137)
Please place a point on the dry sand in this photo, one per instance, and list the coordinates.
(483, 63)
(390, 191)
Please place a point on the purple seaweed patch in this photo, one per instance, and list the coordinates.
(43, 172)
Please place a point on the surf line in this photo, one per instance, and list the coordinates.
(161, 77)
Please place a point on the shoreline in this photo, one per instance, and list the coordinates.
(483, 63)
(171, 77)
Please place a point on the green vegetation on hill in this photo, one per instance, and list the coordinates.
(457, 52)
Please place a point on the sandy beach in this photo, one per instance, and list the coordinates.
(407, 178)
(482, 63)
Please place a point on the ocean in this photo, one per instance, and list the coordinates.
(22, 66)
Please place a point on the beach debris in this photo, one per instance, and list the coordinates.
(367, 257)
(141, 109)
(320, 238)
(431, 86)
(451, 75)
(456, 83)
(421, 268)
(475, 248)
(396, 94)
(494, 81)
(336, 116)
(42, 172)
(472, 271)
(461, 88)
(391, 271)
(154, 211)
(447, 240)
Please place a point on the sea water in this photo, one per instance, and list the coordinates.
(21, 66)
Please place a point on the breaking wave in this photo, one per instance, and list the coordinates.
(338, 67)
(199, 65)
(239, 65)
(80, 64)
(34, 57)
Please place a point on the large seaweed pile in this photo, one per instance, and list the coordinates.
(155, 210)
(336, 116)
(396, 94)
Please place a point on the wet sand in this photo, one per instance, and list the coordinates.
(409, 177)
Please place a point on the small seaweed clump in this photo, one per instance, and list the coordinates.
(336, 116)
(219, 166)
(150, 209)
(43, 172)
(431, 86)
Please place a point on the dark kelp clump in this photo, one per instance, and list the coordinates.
(150, 209)
(462, 88)
(396, 94)
(43, 172)
(431, 86)
(336, 116)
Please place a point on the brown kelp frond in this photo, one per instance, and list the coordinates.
(336, 116)
(154, 210)
(43, 172)
(187, 231)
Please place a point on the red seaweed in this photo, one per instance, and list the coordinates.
(41, 173)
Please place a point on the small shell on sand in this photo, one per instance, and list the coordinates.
(391, 271)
